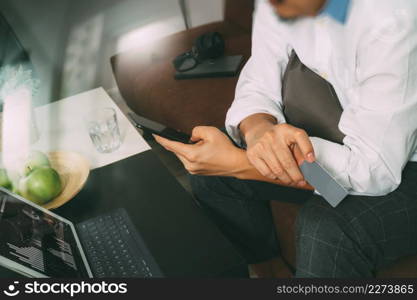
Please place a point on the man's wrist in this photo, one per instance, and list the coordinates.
(241, 165)
(257, 132)
(254, 125)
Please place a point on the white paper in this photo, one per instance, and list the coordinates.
(62, 126)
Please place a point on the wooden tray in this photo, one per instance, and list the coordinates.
(73, 169)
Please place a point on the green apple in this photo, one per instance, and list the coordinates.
(14, 177)
(35, 160)
(15, 189)
(4, 179)
(41, 185)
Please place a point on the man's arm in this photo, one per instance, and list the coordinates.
(257, 108)
(254, 126)
(258, 91)
(249, 172)
(380, 122)
(214, 155)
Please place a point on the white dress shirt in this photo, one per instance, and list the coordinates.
(371, 61)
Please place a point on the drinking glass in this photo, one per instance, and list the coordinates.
(104, 130)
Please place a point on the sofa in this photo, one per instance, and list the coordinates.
(145, 78)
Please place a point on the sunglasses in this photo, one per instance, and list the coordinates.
(207, 46)
(187, 61)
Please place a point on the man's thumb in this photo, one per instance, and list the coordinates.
(200, 133)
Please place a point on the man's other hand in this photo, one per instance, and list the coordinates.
(279, 151)
(212, 154)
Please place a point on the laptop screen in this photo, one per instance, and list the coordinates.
(36, 242)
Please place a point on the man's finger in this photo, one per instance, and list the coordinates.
(201, 133)
(184, 161)
(299, 157)
(304, 143)
(271, 159)
(177, 147)
(288, 162)
(262, 167)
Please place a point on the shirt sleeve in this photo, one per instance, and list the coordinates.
(380, 123)
(259, 87)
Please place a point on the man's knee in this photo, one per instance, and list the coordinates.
(327, 245)
(218, 184)
(317, 220)
(209, 189)
(205, 186)
(200, 184)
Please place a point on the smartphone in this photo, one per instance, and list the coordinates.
(159, 129)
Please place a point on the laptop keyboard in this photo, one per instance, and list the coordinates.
(111, 245)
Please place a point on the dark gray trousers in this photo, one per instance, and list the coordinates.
(356, 239)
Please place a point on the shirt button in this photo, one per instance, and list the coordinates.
(324, 75)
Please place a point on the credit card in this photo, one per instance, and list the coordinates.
(324, 183)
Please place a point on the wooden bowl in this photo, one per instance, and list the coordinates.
(73, 169)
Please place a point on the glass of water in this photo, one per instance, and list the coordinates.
(104, 130)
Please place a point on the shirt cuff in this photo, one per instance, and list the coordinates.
(334, 159)
(235, 117)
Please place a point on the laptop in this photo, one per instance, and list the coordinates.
(36, 242)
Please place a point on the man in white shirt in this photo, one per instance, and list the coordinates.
(367, 50)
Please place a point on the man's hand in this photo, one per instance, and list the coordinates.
(279, 151)
(213, 154)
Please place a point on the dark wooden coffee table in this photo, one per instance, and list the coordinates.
(181, 238)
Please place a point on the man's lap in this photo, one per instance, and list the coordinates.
(384, 228)
(263, 191)
(242, 212)
(385, 221)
